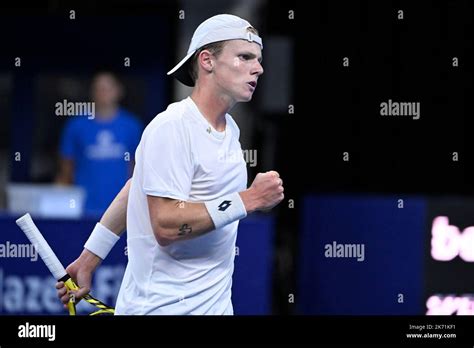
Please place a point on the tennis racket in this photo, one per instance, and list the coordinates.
(55, 267)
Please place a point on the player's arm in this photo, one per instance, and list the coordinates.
(173, 220)
(115, 217)
(112, 222)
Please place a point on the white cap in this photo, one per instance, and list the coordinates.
(218, 28)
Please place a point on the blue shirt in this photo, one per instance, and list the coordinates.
(102, 151)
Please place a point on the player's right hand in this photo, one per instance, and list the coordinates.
(81, 271)
(268, 188)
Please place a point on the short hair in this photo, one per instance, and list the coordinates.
(215, 48)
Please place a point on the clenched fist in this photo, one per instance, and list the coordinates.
(265, 192)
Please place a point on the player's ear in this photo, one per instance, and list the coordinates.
(205, 60)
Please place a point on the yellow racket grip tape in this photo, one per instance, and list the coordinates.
(71, 285)
(71, 305)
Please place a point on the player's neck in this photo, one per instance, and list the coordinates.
(212, 106)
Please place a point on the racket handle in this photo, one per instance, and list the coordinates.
(71, 305)
(70, 285)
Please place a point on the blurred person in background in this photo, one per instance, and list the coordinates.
(97, 153)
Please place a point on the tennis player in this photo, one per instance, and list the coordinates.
(188, 192)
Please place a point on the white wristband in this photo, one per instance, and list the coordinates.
(101, 241)
(226, 209)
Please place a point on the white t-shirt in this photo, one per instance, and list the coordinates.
(181, 156)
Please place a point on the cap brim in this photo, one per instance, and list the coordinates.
(181, 72)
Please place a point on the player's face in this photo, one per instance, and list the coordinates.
(238, 68)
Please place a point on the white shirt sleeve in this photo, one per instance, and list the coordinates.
(168, 164)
